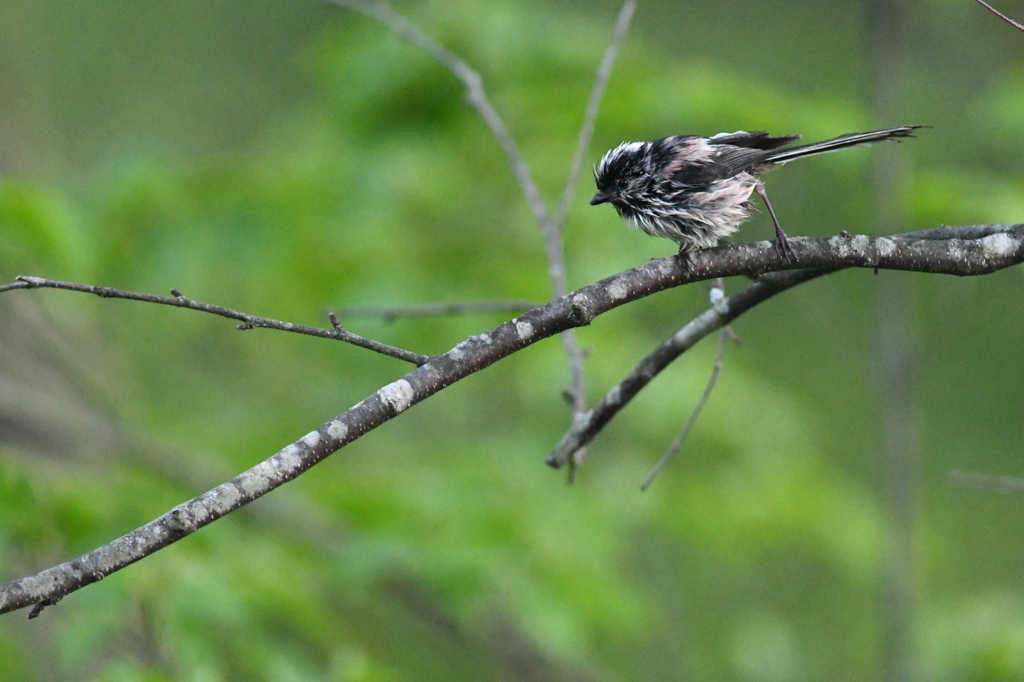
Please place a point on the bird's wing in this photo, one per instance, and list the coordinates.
(723, 161)
(758, 139)
(726, 155)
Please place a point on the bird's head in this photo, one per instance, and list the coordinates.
(623, 174)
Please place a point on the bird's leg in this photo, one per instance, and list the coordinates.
(781, 241)
(685, 257)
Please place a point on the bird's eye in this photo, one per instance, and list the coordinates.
(620, 183)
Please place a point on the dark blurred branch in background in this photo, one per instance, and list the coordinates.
(984, 249)
(1002, 484)
(895, 366)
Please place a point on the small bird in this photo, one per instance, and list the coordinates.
(696, 190)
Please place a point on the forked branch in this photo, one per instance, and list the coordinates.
(476, 95)
(723, 312)
(974, 250)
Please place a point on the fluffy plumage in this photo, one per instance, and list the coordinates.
(696, 190)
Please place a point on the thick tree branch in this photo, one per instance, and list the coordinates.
(248, 321)
(716, 317)
(1003, 246)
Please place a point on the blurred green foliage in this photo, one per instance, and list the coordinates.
(439, 547)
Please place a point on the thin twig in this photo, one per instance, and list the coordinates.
(247, 321)
(677, 444)
(553, 236)
(1001, 247)
(604, 72)
(477, 97)
(437, 309)
(1002, 484)
(475, 93)
(999, 14)
(14, 285)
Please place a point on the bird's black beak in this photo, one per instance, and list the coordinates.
(600, 198)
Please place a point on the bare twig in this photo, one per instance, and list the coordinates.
(677, 444)
(999, 14)
(604, 72)
(475, 93)
(553, 236)
(714, 318)
(1002, 484)
(247, 321)
(1002, 247)
(477, 97)
(437, 309)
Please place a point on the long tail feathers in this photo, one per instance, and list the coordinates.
(841, 142)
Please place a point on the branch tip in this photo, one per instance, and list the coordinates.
(999, 14)
(677, 444)
(37, 610)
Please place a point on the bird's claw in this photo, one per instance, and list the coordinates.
(783, 248)
(685, 258)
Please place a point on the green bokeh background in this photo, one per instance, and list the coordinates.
(290, 158)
